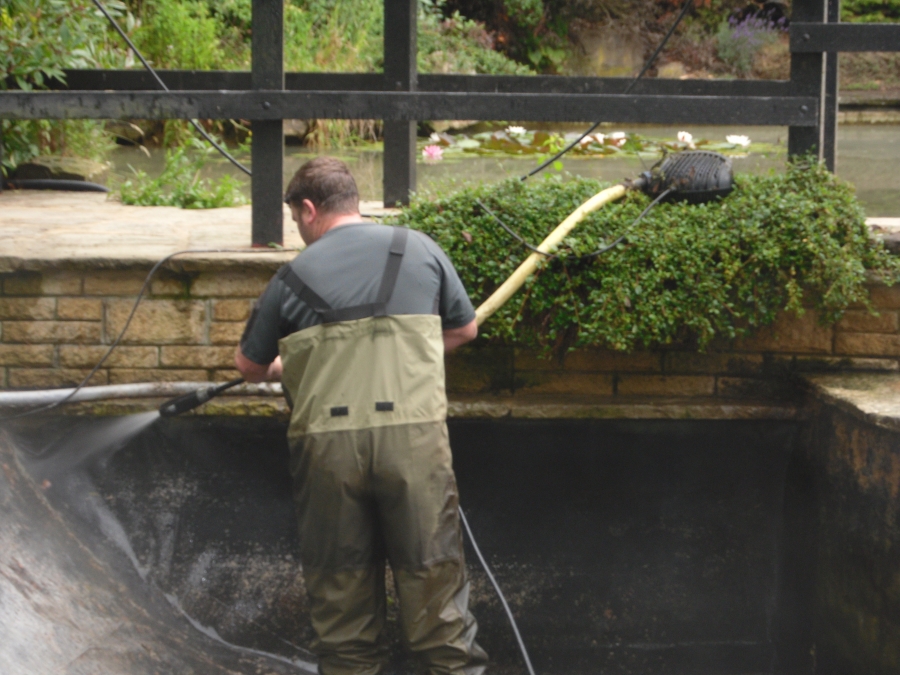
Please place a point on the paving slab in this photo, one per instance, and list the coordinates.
(873, 397)
(42, 228)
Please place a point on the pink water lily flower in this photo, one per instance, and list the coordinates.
(433, 153)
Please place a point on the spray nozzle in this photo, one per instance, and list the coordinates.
(185, 402)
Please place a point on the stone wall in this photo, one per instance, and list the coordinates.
(842, 557)
(55, 324)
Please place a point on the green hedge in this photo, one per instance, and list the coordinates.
(686, 274)
(870, 11)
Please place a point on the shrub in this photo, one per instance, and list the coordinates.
(347, 35)
(740, 40)
(180, 183)
(333, 35)
(179, 34)
(686, 274)
(459, 45)
(870, 11)
(38, 39)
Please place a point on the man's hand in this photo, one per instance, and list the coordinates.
(256, 372)
(454, 337)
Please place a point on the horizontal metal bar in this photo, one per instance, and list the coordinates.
(555, 84)
(216, 80)
(262, 105)
(845, 37)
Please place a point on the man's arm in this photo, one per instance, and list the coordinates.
(454, 337)
(256, 372)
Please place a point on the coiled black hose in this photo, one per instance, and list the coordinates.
(52, 184)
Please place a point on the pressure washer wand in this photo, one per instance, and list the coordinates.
(185, 402)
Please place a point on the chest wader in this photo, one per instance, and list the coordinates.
(373, 479)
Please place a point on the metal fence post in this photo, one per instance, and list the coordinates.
(830, 99)
(400, 74)
(267, 149)
(807, 79)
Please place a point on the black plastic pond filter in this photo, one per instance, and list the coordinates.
(186, 402)
(695, 176)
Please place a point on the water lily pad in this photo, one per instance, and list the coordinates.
(468, 144)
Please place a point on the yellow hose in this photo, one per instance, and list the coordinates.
(529, 265)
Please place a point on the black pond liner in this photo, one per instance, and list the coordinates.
(623, 546)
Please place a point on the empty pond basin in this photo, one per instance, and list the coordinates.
(649, 546)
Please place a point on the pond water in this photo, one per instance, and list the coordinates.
(868, 157)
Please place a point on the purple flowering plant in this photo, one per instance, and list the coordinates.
(740, 38)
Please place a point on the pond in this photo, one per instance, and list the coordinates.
(868, 157)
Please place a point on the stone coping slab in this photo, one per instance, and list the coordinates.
(872, 397)
(85, 230)
(520, 408)
(46, 228)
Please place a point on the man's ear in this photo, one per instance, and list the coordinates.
(307, 207)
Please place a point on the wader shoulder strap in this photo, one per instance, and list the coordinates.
(302, 291)
(377, 308)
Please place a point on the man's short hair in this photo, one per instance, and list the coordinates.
(327, 183)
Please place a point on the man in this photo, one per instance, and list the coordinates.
(356, 327)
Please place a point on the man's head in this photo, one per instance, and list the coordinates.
(322, 194)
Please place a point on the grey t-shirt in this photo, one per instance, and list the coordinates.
(344, 267)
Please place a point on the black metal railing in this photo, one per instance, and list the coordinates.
(806, 103)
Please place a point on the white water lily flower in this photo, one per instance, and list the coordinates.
(435, 137)
(599, 138)
(516, 131)
(617, 138)
(686, 137)
(742, 141)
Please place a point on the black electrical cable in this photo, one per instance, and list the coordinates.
(162, 84)
(621, 237)
(515, 235)
(509, 614)
(545, 164)
(589, 256)
(137, 301)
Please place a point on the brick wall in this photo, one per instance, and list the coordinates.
(55, 324)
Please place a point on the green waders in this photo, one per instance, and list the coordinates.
(373, 480)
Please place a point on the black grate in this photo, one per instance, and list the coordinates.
(696, 176)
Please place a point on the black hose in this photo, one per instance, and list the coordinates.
(118, 339)
(543, 165)
(490, 575)
(621, 237)
(194, 123)
(53, 184)
(515, 235)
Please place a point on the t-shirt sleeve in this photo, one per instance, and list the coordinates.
(259, 343)
(454, 306)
